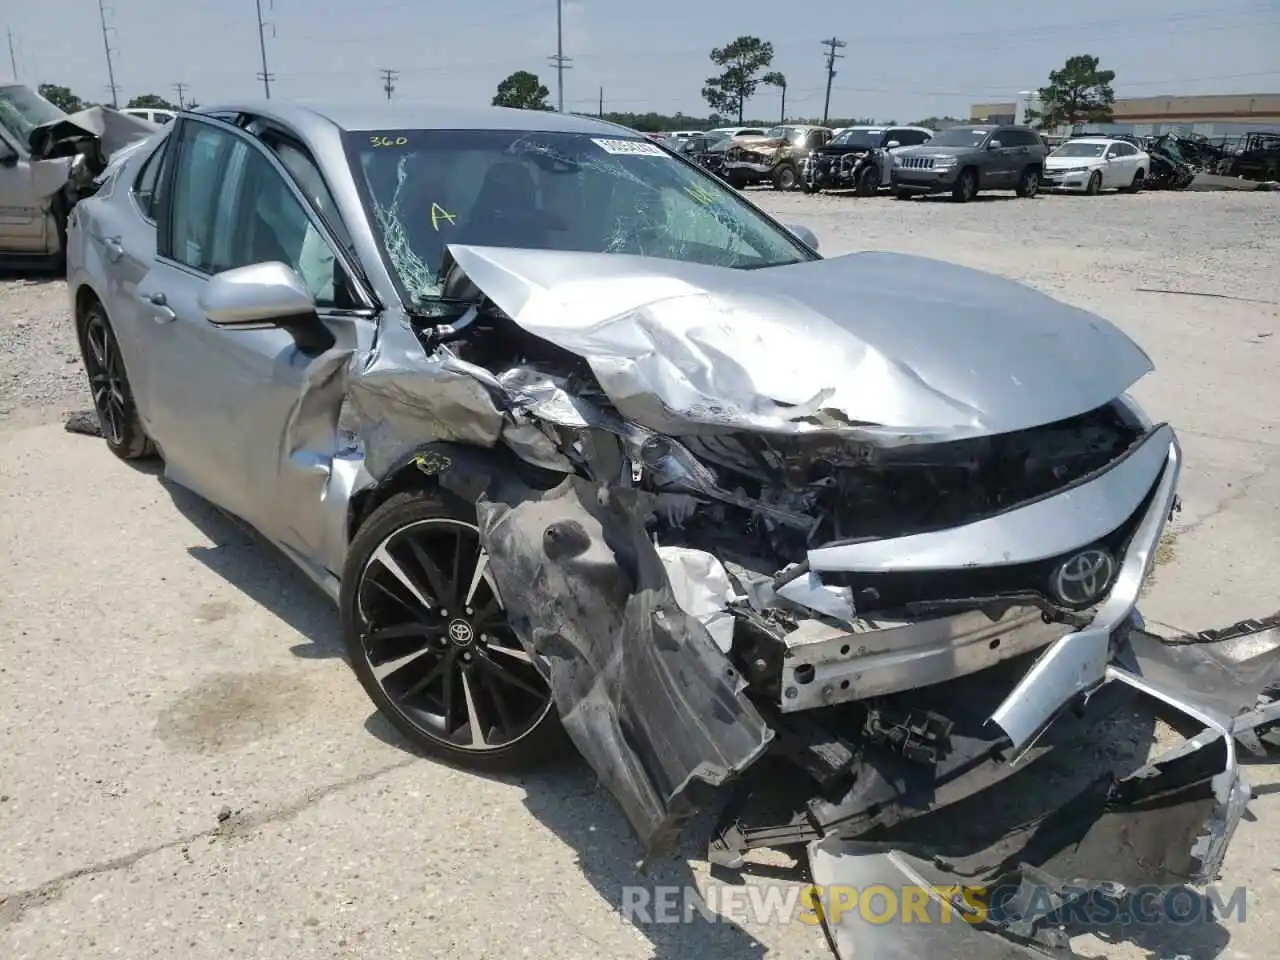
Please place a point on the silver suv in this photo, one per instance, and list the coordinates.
(965, 159)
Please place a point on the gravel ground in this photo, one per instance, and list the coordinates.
(192, 771)
(41, 377)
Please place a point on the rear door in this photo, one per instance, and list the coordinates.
(1123, 164)
(1016, 154)
(226, 401)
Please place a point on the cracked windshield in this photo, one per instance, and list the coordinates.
(549, 191)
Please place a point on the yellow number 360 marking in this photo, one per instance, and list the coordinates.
(379, 141)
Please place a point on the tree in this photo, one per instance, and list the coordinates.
(776, 79)
(522, 90)
(151, 101)
(743, 59)
(1078, 93)
(61, 97)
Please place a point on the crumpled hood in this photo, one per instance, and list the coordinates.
(924, 348)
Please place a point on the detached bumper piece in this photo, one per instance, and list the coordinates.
(642, 689)
(995, 894)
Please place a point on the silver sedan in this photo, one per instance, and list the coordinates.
(580, 439)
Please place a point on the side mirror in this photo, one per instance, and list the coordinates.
(806, 236)
(994, 145)
(891, 144)
(266, 294)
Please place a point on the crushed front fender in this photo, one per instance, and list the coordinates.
(643, 690)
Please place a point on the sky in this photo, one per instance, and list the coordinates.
(902, 62)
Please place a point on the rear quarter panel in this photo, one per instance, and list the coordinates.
(111, 212)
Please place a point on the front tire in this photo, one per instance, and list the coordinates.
(109, 386)
(428, 637)
(868, 184)
(966, 187)
(1095, 184)
(785, 177)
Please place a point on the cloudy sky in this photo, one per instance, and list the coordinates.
(903, 61)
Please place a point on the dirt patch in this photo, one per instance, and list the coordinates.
(229, 711)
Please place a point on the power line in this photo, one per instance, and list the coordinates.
(388, 81)
(832, 45)
(182, 89)
(106, 45)
(265, 76)
(13, 60)
(560, 61)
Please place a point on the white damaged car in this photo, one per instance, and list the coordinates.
(1091, 164)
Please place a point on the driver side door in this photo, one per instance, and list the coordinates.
(242, 414)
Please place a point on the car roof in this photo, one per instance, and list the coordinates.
(407, 115)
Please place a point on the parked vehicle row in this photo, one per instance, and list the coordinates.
(961, 161)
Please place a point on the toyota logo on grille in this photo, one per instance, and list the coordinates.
(1084, 577)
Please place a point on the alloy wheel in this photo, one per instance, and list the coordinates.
(106, 379)
(436, 638)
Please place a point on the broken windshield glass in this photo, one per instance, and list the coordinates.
(549, 191)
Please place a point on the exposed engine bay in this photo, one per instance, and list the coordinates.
(770, 499)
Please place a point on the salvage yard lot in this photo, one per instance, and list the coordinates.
(189, 768)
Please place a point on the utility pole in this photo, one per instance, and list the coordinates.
(388, 81)
(182, 90)
(265, 75)
(106, 45)
(13, 60)
(832, 45)
(560, 61)
(601, 113)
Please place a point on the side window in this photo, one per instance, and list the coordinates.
(150, 181)
(267, 222)
(1113, 150)
(203, 155)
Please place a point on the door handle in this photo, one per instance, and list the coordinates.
(163, 312)
(115, 249)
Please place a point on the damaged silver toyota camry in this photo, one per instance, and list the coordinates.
(578, 439)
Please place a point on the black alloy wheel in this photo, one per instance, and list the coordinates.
(1029, 183)
(429, 638)
(109, 386)
(966, 187)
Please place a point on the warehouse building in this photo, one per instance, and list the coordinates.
(1220, 115)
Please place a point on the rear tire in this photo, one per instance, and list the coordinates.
(1137, 183)
(462, 688)
(966, 187)
(109, 386)
(1029, 183)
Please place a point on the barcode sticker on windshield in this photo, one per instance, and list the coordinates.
(629, 148)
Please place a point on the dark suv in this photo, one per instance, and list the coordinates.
(965, 159)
